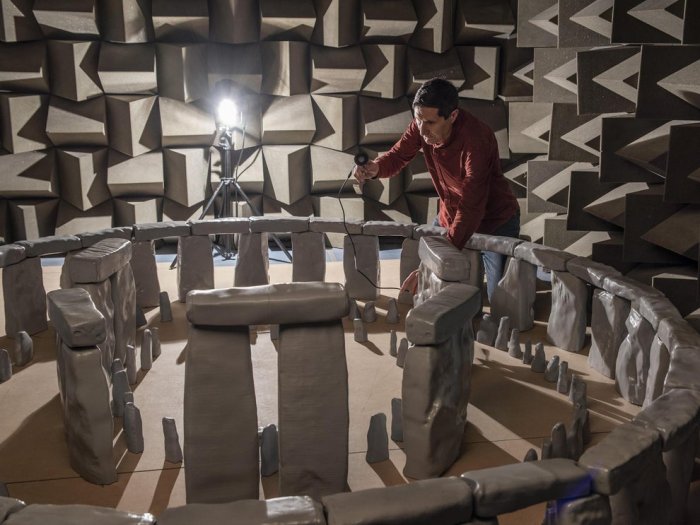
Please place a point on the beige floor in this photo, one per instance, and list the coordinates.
(511, 410)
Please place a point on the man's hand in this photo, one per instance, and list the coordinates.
(366, 172)
(410, 284)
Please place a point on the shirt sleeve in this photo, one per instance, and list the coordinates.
(391, 162)
(479, 163)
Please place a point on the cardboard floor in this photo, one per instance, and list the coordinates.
(511, 409)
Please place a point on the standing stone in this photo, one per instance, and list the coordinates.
(563, 380)
(551, 374)
(539, 361)
(131, 373)
(146, 350)
(24, 349)
(592, 509)
(140, 317)
(124, 301)
(560, 447)
(173, 451)
(155, 342)
(274, 332)
(354, 311)
(486, 334)
(514, 344)
(269, 451)
(608, 315)
(133, 428)
(377, 439)
(128, 398)
(166, 312)
(566, 327)
(392, 312)
(547, 449)
(360, 331)
(503, 333)
(577, 392)
(143, 266)
(117, 366)
(4, 493)
(253, 262)
(392, 344)
(361, 266)
(369, 314)
(530, 455)
(401, 353)
(5, 366)
(527, 354)
(309, 263)
(574, 439)
(195, 265)
(25, 297)
(634, 358)
(396, 420)
(120, 386)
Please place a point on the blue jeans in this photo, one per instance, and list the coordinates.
(494, 263)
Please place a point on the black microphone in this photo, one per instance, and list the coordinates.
(361, 159)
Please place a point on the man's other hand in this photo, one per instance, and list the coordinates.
(410, 284)
(364, 173)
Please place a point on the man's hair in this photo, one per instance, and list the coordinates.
(437, 93)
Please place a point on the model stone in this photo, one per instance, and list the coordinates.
(131, 370)
(530, 455)
(155, 342)
(632, 365)
(133, 428)
(574, 439)
(377, 439)
(354, 311)
(173, 451)
(393, 352)
(551, 374)
(360, 331)
(527, 353)
(5, 366)
(392, 311)
(120, 386)
(24, 349)
(560, 447)
(140, 317)
(369, 314)
(117, 366)
(396, 420)
(514, 344)
(486, 335)
(503, 334)
(539, 361)
(577, 391)
(547, 449)
(166, 313)
(563, 380)
(402, 352)
(146, 350)
(269, 451)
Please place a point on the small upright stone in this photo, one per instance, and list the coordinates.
(577, 392)
(354, 311)
(547, 449)
(128, 397)
(360, 331)
(563, 378)
(269, 451)
(173, 451)
(486, 334)
(377, 440)
(4, 493)
(539, 361)
(401, 353)
(392, 312)
(574, 439)
(530, 455)
(503, 333)
(514, 344)
(560, 447)
(5, 366)
(274, 332)
(140, 317)
(117, 366)
(24, 349)
(120, 386)
(146, 350)
(166, 312)
(396, 420)
(155, 342)
(131, 364)
(527, 354)
(582, 417)
(551, 374)
(392, 343)
(369, 314)
(133, 428)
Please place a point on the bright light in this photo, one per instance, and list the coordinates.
(227, 113)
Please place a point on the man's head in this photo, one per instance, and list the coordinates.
(435, 110)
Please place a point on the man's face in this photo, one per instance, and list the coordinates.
(434, 129)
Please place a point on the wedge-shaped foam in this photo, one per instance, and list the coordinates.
(74, 69)
(182, 71)
(23, 122)
(77, 123)
(180, 20)
(82, 174)
(69, 19)
(133, 123)
(24, 67)
(127, 70)
(27, 175)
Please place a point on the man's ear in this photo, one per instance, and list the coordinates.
(453, 116)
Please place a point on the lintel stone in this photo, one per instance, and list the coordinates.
(493, 243)
(443, 259)
(540, 255)
(74, 316)
(100, 261)
(50, 245)
(159, 230)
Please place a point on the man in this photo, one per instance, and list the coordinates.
(461, 154)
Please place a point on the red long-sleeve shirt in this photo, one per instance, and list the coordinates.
(466, 172)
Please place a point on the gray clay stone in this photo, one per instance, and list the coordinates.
(527, 354)
(392, 312)
(131, 364)
(5, 366)
(539, 361)
(396, 420)
(503, 333)
(547, 449)
(133, 428)
(120, 386)
(128, 397)
(392, 344)
(369, 314)
(560, 447)
(274, 332)
(269, 451)
(360, 331)
(4, 493)
(577, 392)
(117, 366)
(401, 354)
(173, 451)
(574, 439)
(486, 334)
(530, 455)
(563, 378)
(24, 349)
(155, 342)
(146, 350)
(166, 312)
(361, 254)
(140, 317)
(354, 312)
(551, 374)
(592, 509)
(377, 439)
(514, 344)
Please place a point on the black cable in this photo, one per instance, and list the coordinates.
(345, 225)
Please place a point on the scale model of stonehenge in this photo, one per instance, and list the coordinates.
(639, 473)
